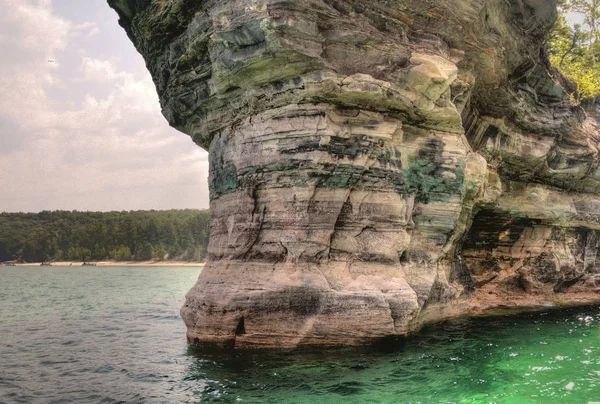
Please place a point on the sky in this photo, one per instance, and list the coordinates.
(80, 121)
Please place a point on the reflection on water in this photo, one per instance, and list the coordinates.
(551, 357)
(114, 335)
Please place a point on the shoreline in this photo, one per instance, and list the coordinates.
(113, 264)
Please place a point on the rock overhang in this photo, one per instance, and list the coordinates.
(354, 148)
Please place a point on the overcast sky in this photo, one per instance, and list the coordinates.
(80, 122)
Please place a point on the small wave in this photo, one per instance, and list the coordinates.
(348, 388)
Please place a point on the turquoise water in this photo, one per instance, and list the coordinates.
(96, 334)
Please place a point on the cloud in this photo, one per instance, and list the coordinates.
(31, 36)
(90, 140)
(88, 28)
(101, 70)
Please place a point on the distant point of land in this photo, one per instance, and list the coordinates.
(116, 264)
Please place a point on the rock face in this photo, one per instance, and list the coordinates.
(375, 166)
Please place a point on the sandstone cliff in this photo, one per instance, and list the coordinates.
(375, 165)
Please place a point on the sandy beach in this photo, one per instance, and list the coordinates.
(120, 264)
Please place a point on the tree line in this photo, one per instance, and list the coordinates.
(90, 236)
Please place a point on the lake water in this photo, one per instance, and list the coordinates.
(97, 334)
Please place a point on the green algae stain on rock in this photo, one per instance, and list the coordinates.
(337, 146)
(426, 178)
(224, 181)
(223, 176)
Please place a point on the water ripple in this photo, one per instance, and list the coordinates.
(113, 335)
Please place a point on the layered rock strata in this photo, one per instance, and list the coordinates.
(374, 167)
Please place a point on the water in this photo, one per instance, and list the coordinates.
(96, 334)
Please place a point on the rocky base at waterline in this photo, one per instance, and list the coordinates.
(375, 167)
(336, 306)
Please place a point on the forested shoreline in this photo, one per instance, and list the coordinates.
(90, 236)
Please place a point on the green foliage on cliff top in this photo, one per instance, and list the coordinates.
(575, 50)
(123, 236)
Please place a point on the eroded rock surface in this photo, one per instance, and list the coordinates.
(375, 165)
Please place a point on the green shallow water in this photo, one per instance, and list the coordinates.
(72, 334)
